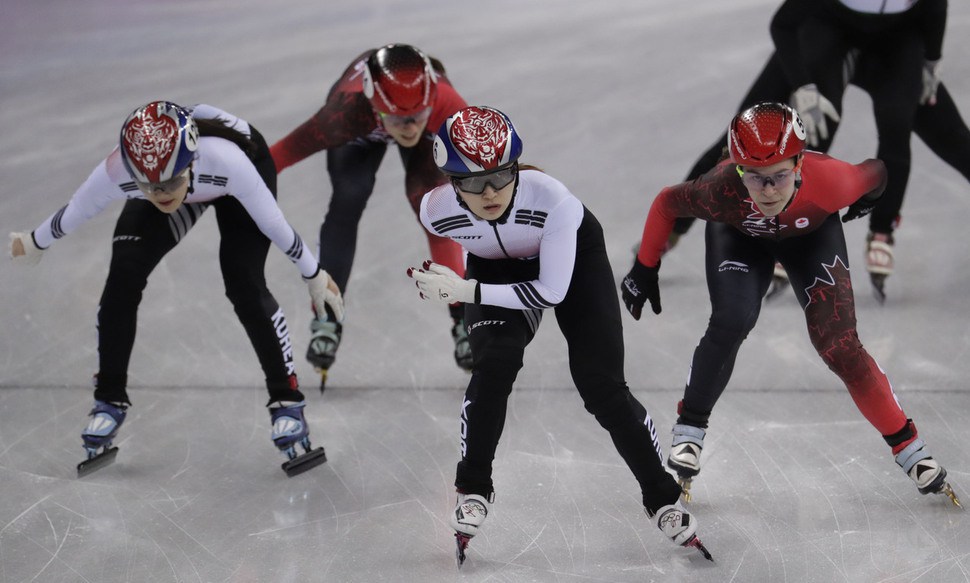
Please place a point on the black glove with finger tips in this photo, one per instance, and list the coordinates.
(860, 208)
(640, 285)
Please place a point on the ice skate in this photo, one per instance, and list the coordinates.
(879, 262)
(106, 419)
(289, 429)
(469, 515)
(926, 472)
(463, 348)
(324, 340)
(685, 455)
(678, 525)
(779, 282)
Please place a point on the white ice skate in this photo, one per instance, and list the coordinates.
(685, 455)
(879, 261)
(678, 525)
(469, 515)
(926, 472)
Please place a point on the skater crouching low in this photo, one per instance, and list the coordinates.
(531, 246)
(172, 163)
(774, 201)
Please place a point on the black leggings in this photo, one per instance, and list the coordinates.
(589, 318)
(143, 235)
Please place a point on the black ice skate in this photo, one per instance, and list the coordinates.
(106, 419)
(289, 429)
(468, 517)
(678, 525)
(322, 352)
(926, 472)
(685, 455)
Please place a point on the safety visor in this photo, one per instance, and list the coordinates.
(390, 119)
(476, 184)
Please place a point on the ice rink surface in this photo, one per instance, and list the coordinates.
(614, 98)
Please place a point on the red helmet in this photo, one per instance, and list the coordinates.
(765, 134)
(399, 79)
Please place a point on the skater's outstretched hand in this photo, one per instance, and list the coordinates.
(440, 283)
(640, 285)
(813, 108)
(23, 249)
(325, 294)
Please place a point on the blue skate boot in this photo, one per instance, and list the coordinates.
(289, 429)
(325, 337)
(106, 419)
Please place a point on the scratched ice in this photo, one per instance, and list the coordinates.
(615, 99)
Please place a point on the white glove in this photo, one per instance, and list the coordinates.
(324, 292)
(440, 283)
(813, 107)
(23, 249)
(931, 80)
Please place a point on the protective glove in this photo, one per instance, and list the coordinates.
(440, 283)
(813, 108)
(931, 81)
(23, 248)
(324, 293)
(860, 208)
(639, 286)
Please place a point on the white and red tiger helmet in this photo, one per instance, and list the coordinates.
(158, 141)
(476, 140)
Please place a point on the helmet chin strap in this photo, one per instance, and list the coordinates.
(191, 179)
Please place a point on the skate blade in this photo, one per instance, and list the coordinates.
(947, 490)
(105, 458)
(302, 463)
(323, 378)
(697, 544)
(878, 286)
(685, 488)
(778, 287)
(461, 543)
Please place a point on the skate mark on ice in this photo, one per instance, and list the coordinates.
(57, 551)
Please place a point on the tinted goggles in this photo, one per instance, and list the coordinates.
(753, 181)
(476, 184)
(390, 119)
(169, 186)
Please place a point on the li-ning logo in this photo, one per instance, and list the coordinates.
(728, 265)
